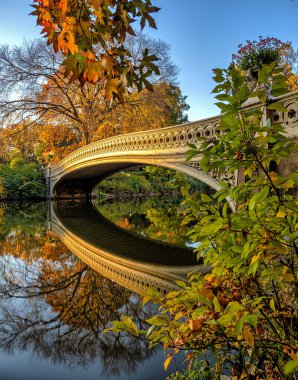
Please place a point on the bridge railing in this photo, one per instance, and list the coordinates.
(175, 137)
(155, 139)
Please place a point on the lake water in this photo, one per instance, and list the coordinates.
(68, 270)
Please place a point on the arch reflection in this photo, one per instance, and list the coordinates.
(132, 262)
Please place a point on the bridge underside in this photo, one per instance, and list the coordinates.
(81, 181)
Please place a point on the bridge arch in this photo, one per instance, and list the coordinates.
(166, 147)
(81, 180)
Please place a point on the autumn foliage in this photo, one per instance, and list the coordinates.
(91, 35)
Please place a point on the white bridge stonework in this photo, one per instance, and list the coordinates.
(79, 172)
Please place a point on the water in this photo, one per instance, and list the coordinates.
(54, 306)
(153, 218)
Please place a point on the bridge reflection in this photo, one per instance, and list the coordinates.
(133, 262)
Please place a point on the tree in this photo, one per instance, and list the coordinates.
(18, 140)
(145, 110)
(91, 35)
(239, 318)
(34, 91)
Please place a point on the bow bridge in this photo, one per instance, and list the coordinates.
(78, 173)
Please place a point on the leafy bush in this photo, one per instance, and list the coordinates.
(125, 183)
(240, 318)
(20, 180)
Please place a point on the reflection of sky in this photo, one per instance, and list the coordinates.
(192, 245)
(32, 367)
(29, 368)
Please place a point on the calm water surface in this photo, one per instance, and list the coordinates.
(54, 307)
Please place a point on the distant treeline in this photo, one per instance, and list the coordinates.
(145, 181)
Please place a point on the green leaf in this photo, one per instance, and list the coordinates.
(254, 267)
(217, 305)
(277, 106)
(239, 326)
(225, 319)
(217, 71)
(234, 306)
(211, 228)
(192, 146)
(158, 320)
(219, 78)
(205, 198)
(263, 75)
(251, 319)
(223, 97)
(279, 91)
(291, 366)
(149, 331)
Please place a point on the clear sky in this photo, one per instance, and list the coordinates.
(203, 34)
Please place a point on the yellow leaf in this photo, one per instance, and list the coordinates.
(167, 362)
(248, 336)
(272, 305)
(254, 259)
(281, 214)
(248, 172)
(287, 277)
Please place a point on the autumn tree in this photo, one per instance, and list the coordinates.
(19, 141)
(146, 110)
(36, 92)
(34, 89)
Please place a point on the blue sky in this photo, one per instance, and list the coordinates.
(203, 34)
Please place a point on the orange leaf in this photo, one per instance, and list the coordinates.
(93, 72)
(196, 324)
(111, 88)
(167, 362)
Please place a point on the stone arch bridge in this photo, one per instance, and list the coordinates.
(77, 174)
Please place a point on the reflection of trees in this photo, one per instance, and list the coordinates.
(22, 230)
(149, 218)
(55, 305)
